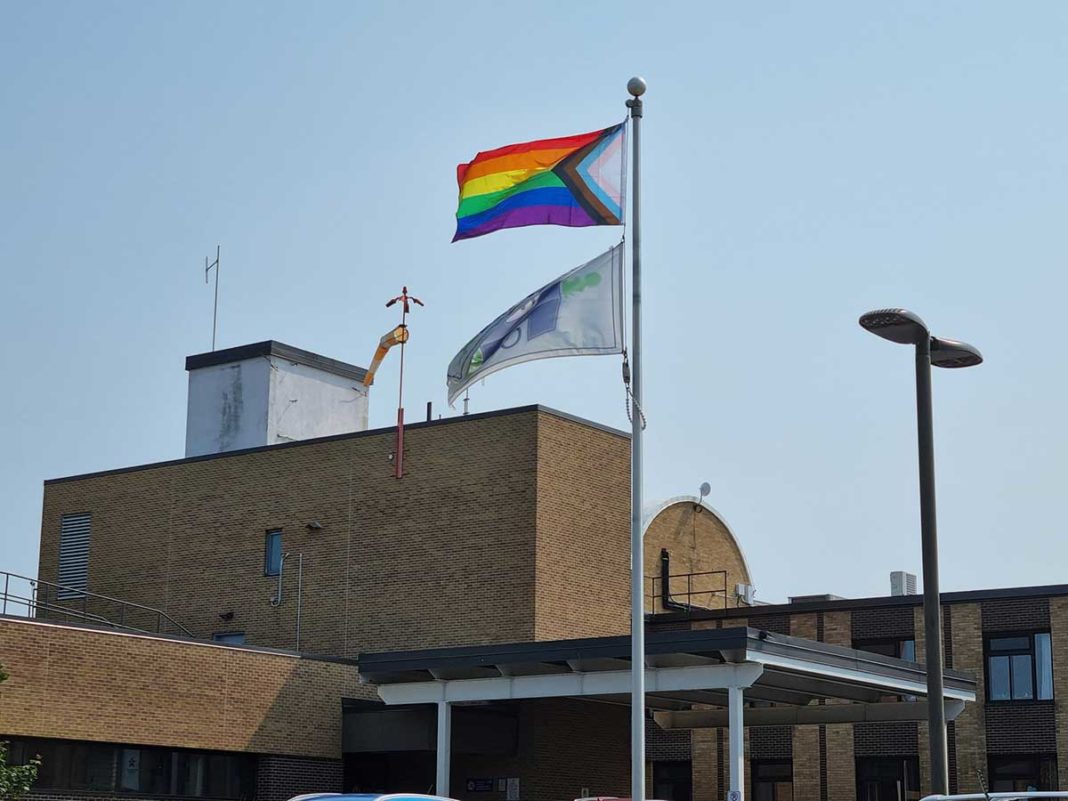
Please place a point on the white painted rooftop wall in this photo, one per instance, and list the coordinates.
(227, 408)
(267, 400)
(308, 403)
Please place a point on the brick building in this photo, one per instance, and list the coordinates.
(1013, 736)
(196, 623)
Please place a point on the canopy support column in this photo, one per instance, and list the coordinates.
(736, 736)
(444, 754)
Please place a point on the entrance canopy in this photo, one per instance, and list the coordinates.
(682, 668)
(783, 679)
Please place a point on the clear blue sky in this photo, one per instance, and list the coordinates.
(804, 163)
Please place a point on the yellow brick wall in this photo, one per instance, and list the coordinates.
(697, 542)
(446, 556)
(583, 532)
(83, 684)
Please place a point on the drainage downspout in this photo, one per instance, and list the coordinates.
(665, 579)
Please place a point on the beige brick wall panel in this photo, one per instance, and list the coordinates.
(444, 557)
(806, 763)
(971, 723)
(838, 628)
(704, 762)
(697, 542)
(583, 532)
(841, 765)
(82, 684)
(803, 625)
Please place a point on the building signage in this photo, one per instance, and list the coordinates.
(480, 785)
(513, 789)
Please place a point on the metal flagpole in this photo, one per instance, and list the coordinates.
(636, 87)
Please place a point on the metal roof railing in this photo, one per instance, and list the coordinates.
(47, 600)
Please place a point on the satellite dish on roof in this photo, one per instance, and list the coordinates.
(705, 489)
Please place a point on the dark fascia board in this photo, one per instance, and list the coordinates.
(840, 656)
(555, 651)
(733, 644)
(353, 435)
(849, 604)
(282, 351)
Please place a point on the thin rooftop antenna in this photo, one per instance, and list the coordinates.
(215, 312)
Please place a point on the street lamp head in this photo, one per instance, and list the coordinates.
(949, 353)
(897, 325)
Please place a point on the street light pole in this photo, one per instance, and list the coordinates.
(932, 610)
(904, 327)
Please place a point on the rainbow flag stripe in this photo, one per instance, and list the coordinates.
(573, 181)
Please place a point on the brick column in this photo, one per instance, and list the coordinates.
(970, 726)
(704, 763)
(803, 625)
(841, 766)
(1058, 618)
(838, 628)
(705, 758)
(923, 739)
(806, 763)
(807, 767)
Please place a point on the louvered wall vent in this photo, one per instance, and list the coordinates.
(74, 554)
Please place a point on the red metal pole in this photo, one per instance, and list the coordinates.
(398, 462)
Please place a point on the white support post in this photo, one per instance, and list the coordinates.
(736, 737)
(444, 755)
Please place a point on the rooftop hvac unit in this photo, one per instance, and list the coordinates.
(902, 583)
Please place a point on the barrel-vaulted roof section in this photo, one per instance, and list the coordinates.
(652, 512)
(684, 668)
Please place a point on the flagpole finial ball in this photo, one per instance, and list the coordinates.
(636, 86)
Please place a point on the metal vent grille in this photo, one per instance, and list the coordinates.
(74, 555)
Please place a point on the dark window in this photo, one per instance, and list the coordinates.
(272, 554)
(673, 781)
(888, 779)
(773, 780)
(230, 637)
(1019, 667)
(1011, 773)
(115, 769)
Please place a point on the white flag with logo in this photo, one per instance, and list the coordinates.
(578, 314)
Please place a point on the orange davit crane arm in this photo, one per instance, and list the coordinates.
(398, 336)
